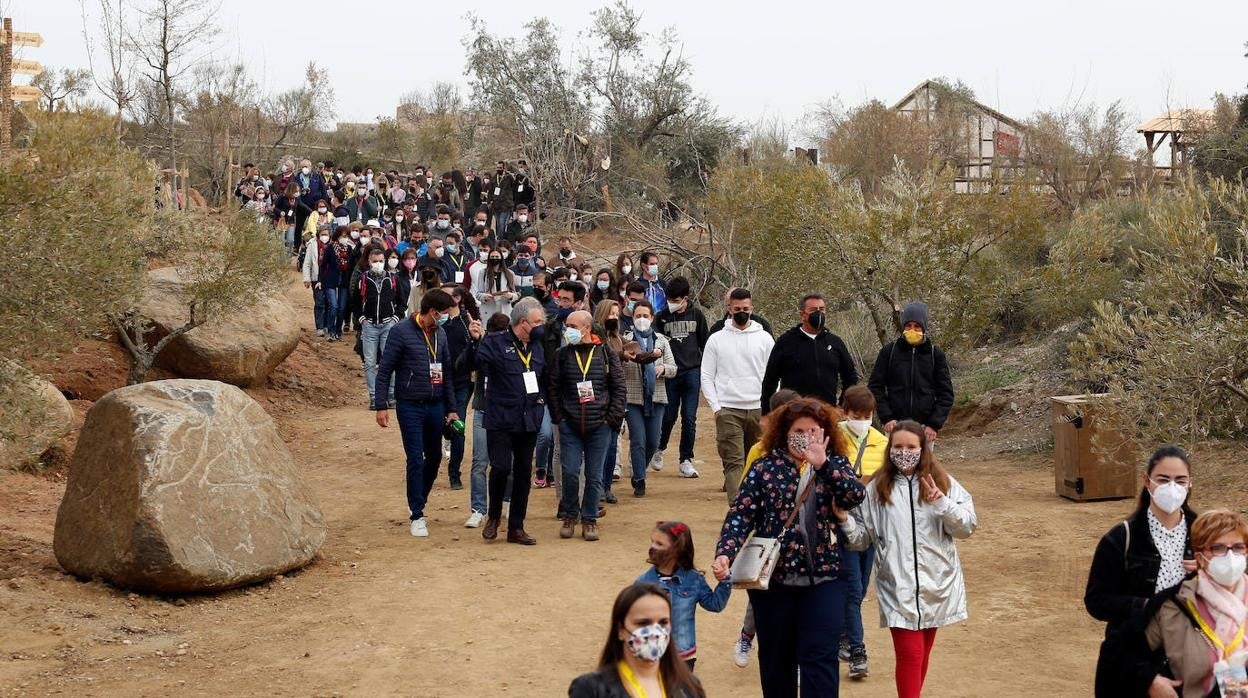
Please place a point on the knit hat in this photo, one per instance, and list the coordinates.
(915, 311)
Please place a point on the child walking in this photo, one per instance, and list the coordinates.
(671, 554)
(919, 509)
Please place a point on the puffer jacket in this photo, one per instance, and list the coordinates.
(919, 579)
(603, 370)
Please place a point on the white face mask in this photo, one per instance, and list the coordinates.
(1227, 569)
(483, 256)
(572, 277)
(642, 324)
(1169, 497)
(307, 171)
(523, 218)
(627, 269)
(321, 211)
(858, 426)
(398, 219)
(355, 235)
(364, 239)
(439, 252)
(393, 262)
(324, 239)
(377, 267)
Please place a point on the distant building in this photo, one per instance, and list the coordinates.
(991, 143)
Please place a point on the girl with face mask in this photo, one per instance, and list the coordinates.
(1193, 644)
(493, 285)
(919, 510)
(1148, 553)
(639, 658)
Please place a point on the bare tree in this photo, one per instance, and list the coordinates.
(165, 40)
(59, 87)
(1081, 154)
(117, 83)
(296, 110)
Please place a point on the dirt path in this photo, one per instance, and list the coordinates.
(383, 613)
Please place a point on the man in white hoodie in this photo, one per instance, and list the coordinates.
(733, 364)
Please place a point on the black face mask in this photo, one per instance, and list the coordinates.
(495, 262)
(540, 294)
(612, 324)
(740, 317)
(816, 319)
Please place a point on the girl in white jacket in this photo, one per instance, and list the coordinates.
(493, 285)
(913, 512)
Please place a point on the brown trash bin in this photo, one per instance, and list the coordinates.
(1080, 472)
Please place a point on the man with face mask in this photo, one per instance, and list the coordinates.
(362, 205)
(502, 198)
(312, 189)
(911, 378)
(435, 254)
(441, 225)
(809, 358)
(732, 383)
(525, 192)
(518, 228)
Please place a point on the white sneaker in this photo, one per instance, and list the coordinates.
(656, 463)
(618, 470)
(320, 333)
(446, 452)
(687, 469)
(741, 653)
(419, 529)
(475, 520)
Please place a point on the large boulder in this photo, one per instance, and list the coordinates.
(183, 486)
(35, 415)
(239, 347)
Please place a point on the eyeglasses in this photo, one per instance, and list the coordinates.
(1181, 481)
(1218, 550)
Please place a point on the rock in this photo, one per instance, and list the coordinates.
(35, 415)
(240, 347)
(183, 486)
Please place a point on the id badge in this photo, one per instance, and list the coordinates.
(1231, 676)
(585, 391)
(498, 190)
(459, 277)
(519, 188)
(530, 382)
(435, 373)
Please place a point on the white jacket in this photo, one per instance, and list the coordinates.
(733, 364)
(311, 261)
(500, 304)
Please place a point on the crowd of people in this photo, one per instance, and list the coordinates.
(469, 325)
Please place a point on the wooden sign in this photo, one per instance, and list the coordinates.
(25, 39)
(23, 67)
(26, 93)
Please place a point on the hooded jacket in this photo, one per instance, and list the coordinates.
(919, 580)
(733, 365)
(913, 382)
(602, 368)
(814, 367)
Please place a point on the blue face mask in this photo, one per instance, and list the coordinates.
(603, 285)
(564, 313)
(653, 269)
(572, 334)
(442, 319)
(631, 304)
(452, 248)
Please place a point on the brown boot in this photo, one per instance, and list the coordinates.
(490, 532)
(568, 529)
(589, 531)
(518, 536)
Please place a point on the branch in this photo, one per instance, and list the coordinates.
(1226, 383)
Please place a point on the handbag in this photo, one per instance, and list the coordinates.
(757, 559)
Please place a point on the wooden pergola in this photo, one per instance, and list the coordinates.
(1180, 127)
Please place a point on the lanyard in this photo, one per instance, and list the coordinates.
(459, 263)
(584, 366)
(633, 685)
(1213, 636)
(525, 359)
(431, 345)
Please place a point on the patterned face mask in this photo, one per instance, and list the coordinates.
(905, 459)
(799, 441)
(649, 642)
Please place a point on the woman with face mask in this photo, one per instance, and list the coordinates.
(600, 286)
(493, 285)
(913, 513)
(1192, 639)
(648, 362)
(1138, 558)
(639, 659)
(790, 494)
(607, 316)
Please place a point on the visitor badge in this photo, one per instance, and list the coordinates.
(585, 391)
(530, 382)
(435, 372)
(1231, 676)
(459, 277)
(498, 190)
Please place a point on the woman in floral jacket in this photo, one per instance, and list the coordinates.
(799, 616)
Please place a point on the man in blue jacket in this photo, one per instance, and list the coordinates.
(418, 356)
(512, 366)
(311, 190)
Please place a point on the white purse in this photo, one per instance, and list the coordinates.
(757, 559)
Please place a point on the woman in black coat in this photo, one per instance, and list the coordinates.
(1138, 558)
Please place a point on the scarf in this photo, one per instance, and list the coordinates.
(343, 253)
(645, 340)
(1229, 609)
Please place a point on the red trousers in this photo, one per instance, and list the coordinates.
(913, 648)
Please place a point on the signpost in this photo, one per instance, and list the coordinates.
(8, 66)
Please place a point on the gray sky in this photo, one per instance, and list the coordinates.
(751, 61)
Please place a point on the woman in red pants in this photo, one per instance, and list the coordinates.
(913, 511)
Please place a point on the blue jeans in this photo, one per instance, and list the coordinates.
(592, 448)
(344, 299)
(501, 228)
(480, 462)
(420, 424)
(320, 310)
(545, 444)
(608, 463)
(290, 240)
(682, 400)
(333, 321)
(798, 627)
(374, 337)
(457, 443)
(643, 438)
(857, 566)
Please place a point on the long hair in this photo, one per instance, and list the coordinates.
(780, 420)
(676, 676)
(1167, 451)
(601, 312)
(682, 542)
(467, 304)
(888, 473)
(494, 277)
(595, 295)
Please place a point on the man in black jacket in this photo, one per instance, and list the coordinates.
(809, 358)
(911, 378)
(587, 397)
(684, 325)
